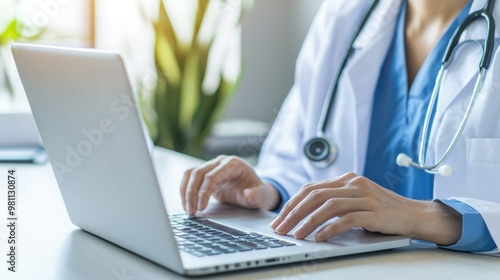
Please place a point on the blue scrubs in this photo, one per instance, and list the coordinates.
(397, 120)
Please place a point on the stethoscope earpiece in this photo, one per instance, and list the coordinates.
(445, 170)
(321, 151)
(404, 160)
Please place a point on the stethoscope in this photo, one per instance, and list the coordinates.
(322, 151)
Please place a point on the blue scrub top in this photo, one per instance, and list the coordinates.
(399, 112)
(397, 120)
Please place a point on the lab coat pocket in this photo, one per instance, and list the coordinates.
(483, 168)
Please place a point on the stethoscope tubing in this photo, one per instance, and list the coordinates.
(421, 157)
(486, 14)
(332, 90)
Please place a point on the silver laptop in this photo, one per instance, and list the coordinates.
(87, 116)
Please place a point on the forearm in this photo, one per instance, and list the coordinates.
(436, 222)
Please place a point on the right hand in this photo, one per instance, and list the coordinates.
(230, 180)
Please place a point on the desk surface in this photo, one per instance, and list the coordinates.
(50, 247)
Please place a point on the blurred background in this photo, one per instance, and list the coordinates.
(244, 50)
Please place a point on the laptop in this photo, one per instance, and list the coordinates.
(92, 129)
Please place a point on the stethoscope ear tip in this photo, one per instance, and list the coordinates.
(403, 160)
(445, 170)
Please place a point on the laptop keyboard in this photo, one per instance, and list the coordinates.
(202, 237)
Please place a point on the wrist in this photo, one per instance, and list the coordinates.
(273, 197)
(436, 222)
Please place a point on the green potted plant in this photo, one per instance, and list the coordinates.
(198, 69)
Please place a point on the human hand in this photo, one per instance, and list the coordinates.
(230, 180)
(359, 202)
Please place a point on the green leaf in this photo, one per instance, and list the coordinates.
(10, 33)
(203, 52)
(164, 26)
(200, 16)
(190, 91)
(166, 60)
(165, 45)
(166, 106)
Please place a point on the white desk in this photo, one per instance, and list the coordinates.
(50, 247)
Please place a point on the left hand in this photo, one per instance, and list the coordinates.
(359, 202)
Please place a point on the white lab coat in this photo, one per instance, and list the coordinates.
(476, 158)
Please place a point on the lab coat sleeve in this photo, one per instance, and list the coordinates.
(281, 157)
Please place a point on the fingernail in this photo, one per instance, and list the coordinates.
(299, 233)
(276, 222)
(200, 204)
(189, 208)
(282, 229)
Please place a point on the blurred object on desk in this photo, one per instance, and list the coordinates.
(239, 137)
(19, 139)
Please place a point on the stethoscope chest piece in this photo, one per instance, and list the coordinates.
(321, 151)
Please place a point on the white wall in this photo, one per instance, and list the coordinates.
(273, 32)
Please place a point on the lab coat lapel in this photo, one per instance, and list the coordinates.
(362, 72)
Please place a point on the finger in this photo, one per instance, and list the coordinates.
(255, 197)
(262, 196)
(343, 224)
(194, 183)
(305, 190)
(330, 193)
(292, 203)
(184, 183)
(305, 207)
(341, 181)
(212, 179)
(321, 206)
(332, 208)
